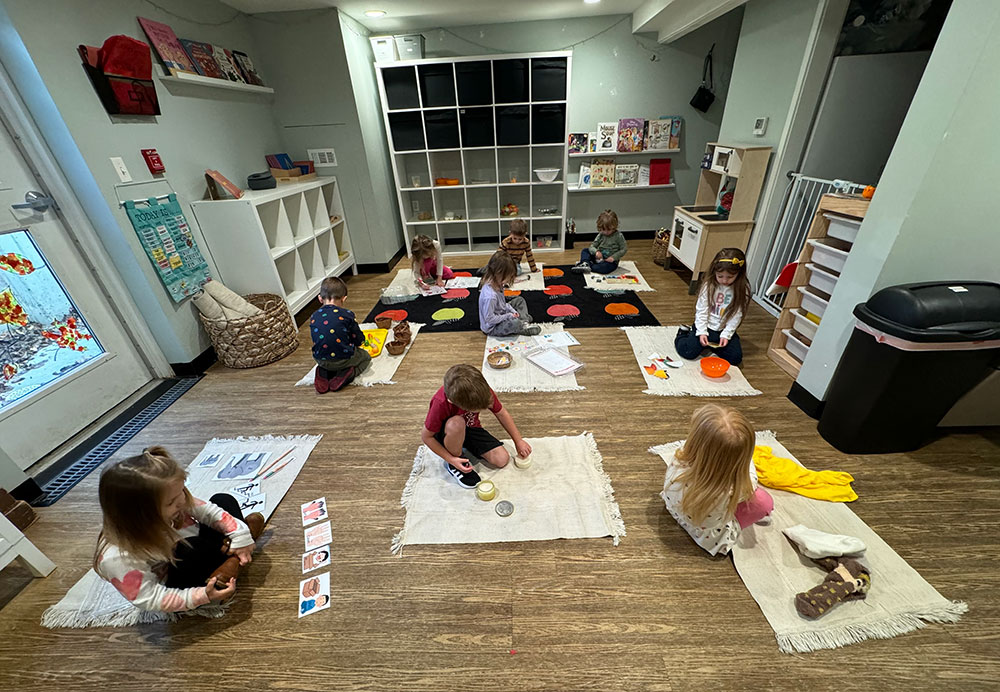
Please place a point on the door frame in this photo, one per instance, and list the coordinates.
(81, 232)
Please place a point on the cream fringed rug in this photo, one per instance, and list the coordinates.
(688, 380)
(93, 602)
(523, 376)
(383, 366)
(563, 494)
(899, 601)
(610, 282)
(528, 281)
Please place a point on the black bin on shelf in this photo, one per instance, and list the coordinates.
(437, 85)
(475, 83)
(915, 350)
(477, 126)
(548, 79)
(512, 125)
(400, 87)
(510, 80)
(548, 123)
(442, 128)
(406, 130)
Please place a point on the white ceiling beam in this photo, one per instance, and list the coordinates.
(671, 19)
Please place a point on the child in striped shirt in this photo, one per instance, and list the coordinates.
(518, 246)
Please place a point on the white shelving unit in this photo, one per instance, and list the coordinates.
(621, 188)
(283, 241)
(487, 122)
(215, 83)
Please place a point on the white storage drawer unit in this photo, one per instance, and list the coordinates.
(822, 279)
(842, 228)
(803, 325)
(813, 302)
(794, 345)
(830, 253)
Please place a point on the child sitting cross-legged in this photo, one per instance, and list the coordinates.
(723, 299)
(453, 431)
(607, 250)
(162, 548)
(499, 315)
(711, 484)
(337, 339)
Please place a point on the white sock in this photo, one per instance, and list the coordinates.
(818, 544)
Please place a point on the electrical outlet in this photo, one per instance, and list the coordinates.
(415, 205)
(120, 169)
(323, 157)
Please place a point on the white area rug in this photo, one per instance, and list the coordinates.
(534, 282)
(93, 602)
(523, 376)
(688, 380)
(383, 366)
(898, 602)
(563, 494)
(599, 282)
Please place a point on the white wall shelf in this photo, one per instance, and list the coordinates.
(214, 83)
(279, 241)
(621, 188)
(602, 154)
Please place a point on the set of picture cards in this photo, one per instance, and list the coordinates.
(314, 592)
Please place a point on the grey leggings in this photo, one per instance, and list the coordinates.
(513, 325)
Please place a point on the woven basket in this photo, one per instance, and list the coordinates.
(254, 341)
(661, 248)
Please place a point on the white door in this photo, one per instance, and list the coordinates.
(65, 358)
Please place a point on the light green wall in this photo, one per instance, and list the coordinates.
(933, 217)
(613, 77)
(197, 130)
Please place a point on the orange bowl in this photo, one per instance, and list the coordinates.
(714, 367)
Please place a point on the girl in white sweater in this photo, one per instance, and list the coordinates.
(162, 548)
(723, 299)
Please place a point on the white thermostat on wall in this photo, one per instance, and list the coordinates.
(759, 127)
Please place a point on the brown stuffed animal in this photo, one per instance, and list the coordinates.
(401, 332)
(847, 580)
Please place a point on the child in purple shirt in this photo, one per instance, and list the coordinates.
(499, 315)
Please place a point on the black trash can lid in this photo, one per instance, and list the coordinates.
(941, 311)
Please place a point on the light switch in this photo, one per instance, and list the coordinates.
(120, 169)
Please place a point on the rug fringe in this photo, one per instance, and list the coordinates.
(804, 642)
(268, 438)
(55, 617)
(404, 501)
(681, 392)
(577, 388)
(613, 513)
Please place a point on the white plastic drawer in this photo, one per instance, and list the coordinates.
(812, 301)
(795, 345)
(803, 325)
(830, 253)
(822, 279)
(843, 227)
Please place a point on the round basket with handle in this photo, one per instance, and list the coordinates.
(661, 246)
(253, 341)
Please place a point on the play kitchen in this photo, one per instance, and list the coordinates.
(722, 213)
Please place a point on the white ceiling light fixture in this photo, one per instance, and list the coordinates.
(374, 14)
(591, 2)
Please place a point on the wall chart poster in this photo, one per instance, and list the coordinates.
(164, 233)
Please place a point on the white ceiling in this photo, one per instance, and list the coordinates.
(405, 15)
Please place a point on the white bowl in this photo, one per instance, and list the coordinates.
(547, 175)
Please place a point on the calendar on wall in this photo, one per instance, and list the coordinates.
(166, 236)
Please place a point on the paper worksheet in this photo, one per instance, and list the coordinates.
(557, 339)
(553, 361)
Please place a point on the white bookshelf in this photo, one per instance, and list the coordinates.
(283, 241)
(488, 122)
(187, 78)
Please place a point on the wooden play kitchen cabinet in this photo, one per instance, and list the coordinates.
(698, 230)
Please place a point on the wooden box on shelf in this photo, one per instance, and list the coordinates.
(283, 241)
(291, 175)
(698, 231)
(798, 321)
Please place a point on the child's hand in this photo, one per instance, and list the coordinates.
(523, 449)
(215, 594)
(723, 341)
(598, 255)
(461, 463)
(440, 281)
(245, 554)
(703, 340)
(534, 270)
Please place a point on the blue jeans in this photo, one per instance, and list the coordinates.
(602, 267)
(688, 345)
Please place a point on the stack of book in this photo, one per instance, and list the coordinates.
(629, 135)
(197, 57)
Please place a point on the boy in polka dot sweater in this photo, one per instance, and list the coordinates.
(337, 339)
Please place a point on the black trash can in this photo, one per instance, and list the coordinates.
(915, 350)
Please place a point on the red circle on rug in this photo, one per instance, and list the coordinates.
(510, 294)
(563, 310)
(621, 309)
(558, 290)
(463, 273)
(396, 315)
(453, 293)
(546, 271)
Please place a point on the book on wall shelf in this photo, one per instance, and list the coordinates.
(602, 173)
(167, 46)
(607, 136)
(228, 66)
(591, 142)
(202, 56)
(643, 179)
(630, 134)
(626, 175)
(658, 133)
(584, 177)
(578, 142)
(246, 66)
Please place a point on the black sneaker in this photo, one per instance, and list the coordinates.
(466, 479)
(530, 330)
(582, 268)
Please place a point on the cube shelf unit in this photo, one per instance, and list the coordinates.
(486, 122)
(283, 241)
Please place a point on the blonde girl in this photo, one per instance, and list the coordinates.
(427, 261)
(162, 548)
(499, 315)
(723, 299)
(711, 485)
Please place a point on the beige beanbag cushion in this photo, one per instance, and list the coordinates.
(234, 306)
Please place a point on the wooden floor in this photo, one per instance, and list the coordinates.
(655, 613)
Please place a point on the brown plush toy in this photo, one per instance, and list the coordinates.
(847, 580)
(401, 332)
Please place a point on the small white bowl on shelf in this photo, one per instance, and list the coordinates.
(547, 175)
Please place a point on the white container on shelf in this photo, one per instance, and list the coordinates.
(812, 301)
(830, 253)
(803, 325)
(794, 344)
(410, 46)
(822, 279)
(842, 227)
(384, 48)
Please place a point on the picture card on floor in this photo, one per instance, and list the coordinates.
(254, 503)
(246, 489)
(314, 594)
(315, 559)
(314, 511)
(463, 282)
(241, 466)
(553, 361)
(210, 460)
(317, 535)
(557, 339)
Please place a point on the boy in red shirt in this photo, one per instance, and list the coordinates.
(452, 425)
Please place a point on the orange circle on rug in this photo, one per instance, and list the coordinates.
(621, 309)
(558, 290)
(563, 310)
(397, 315)
(463, 273)
(455, 293)
(510, 294)
(546, 271)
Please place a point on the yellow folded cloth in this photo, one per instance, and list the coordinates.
(784, 474)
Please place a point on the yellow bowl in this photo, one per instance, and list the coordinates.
(486, 490)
